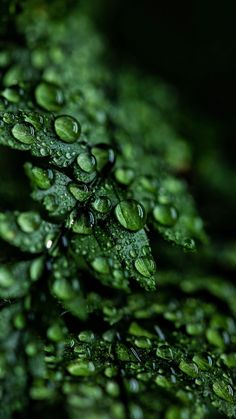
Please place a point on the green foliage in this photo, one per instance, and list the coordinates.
(81, 333)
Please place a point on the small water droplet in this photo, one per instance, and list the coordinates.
(84, 223)
(102, 204)
(130, 214)
(124, 176)
(223, 390)
(23, 132)
(203, 361)
(6, 277)
(86, 336)
(100, 264)
(86, 162)
(81, 368)
(145, 266)
(67, 128)
(165, 214)
(28, 221)
(49, 96)
(11, 94)
(189, 368)
(79, 191)
(165, 352)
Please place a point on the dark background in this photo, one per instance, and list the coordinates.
(191, 45)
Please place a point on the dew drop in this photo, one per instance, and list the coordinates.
(100, 264)
(80, 192)
(49, 96)
(23, 132)
(41, 178)
(6, 277)
(223, 390)
(81, 368)
(189, 368)
(11, 94)
(28, 221)
(204, 362)
(165, 214)
(102, 204)
(124, 176)
(105, 156)
(67, 128)
(165, 352)
(145, 266)
(130, 214)
(84, 223)
(86, 162)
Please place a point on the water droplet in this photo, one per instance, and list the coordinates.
(81, 368)
(229, 360)
(223, 390)
(50, 203)
(145, 266)
(86, 336)
(124, 176)
(84, 223)
(11, 94)
(189, 244)
(204, 362)
(100, 264)
(165, 214)
(130, 214)
(49, 96)
(23, 132)
(105, 156)
(165, 352)
(86, 162)
(189, 368)
(41, 178)
(143, 343)
(80, 192)
(28, 221)
(6, 277)
(55, 333)
(36, 269)
(102, 204)
(162, 381)
(62, 289)
(67, 128)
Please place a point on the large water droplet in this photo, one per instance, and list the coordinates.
(165, 214)
(223, 390)
(41, 178)
(130, 214)
(49, 96)
(105, 156)
(145, 266)
(124, 176)
(165, 352)
(189, 368)
(28, 221)
(102, 204)
(6, 277)
(100, 264)
(81, 368)
(23, 132)
(86, 336)
(84, 223)
(143, 343)
(204, 362)
(11, 94)
(86, 162)
(67, 128)
(80, 192)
